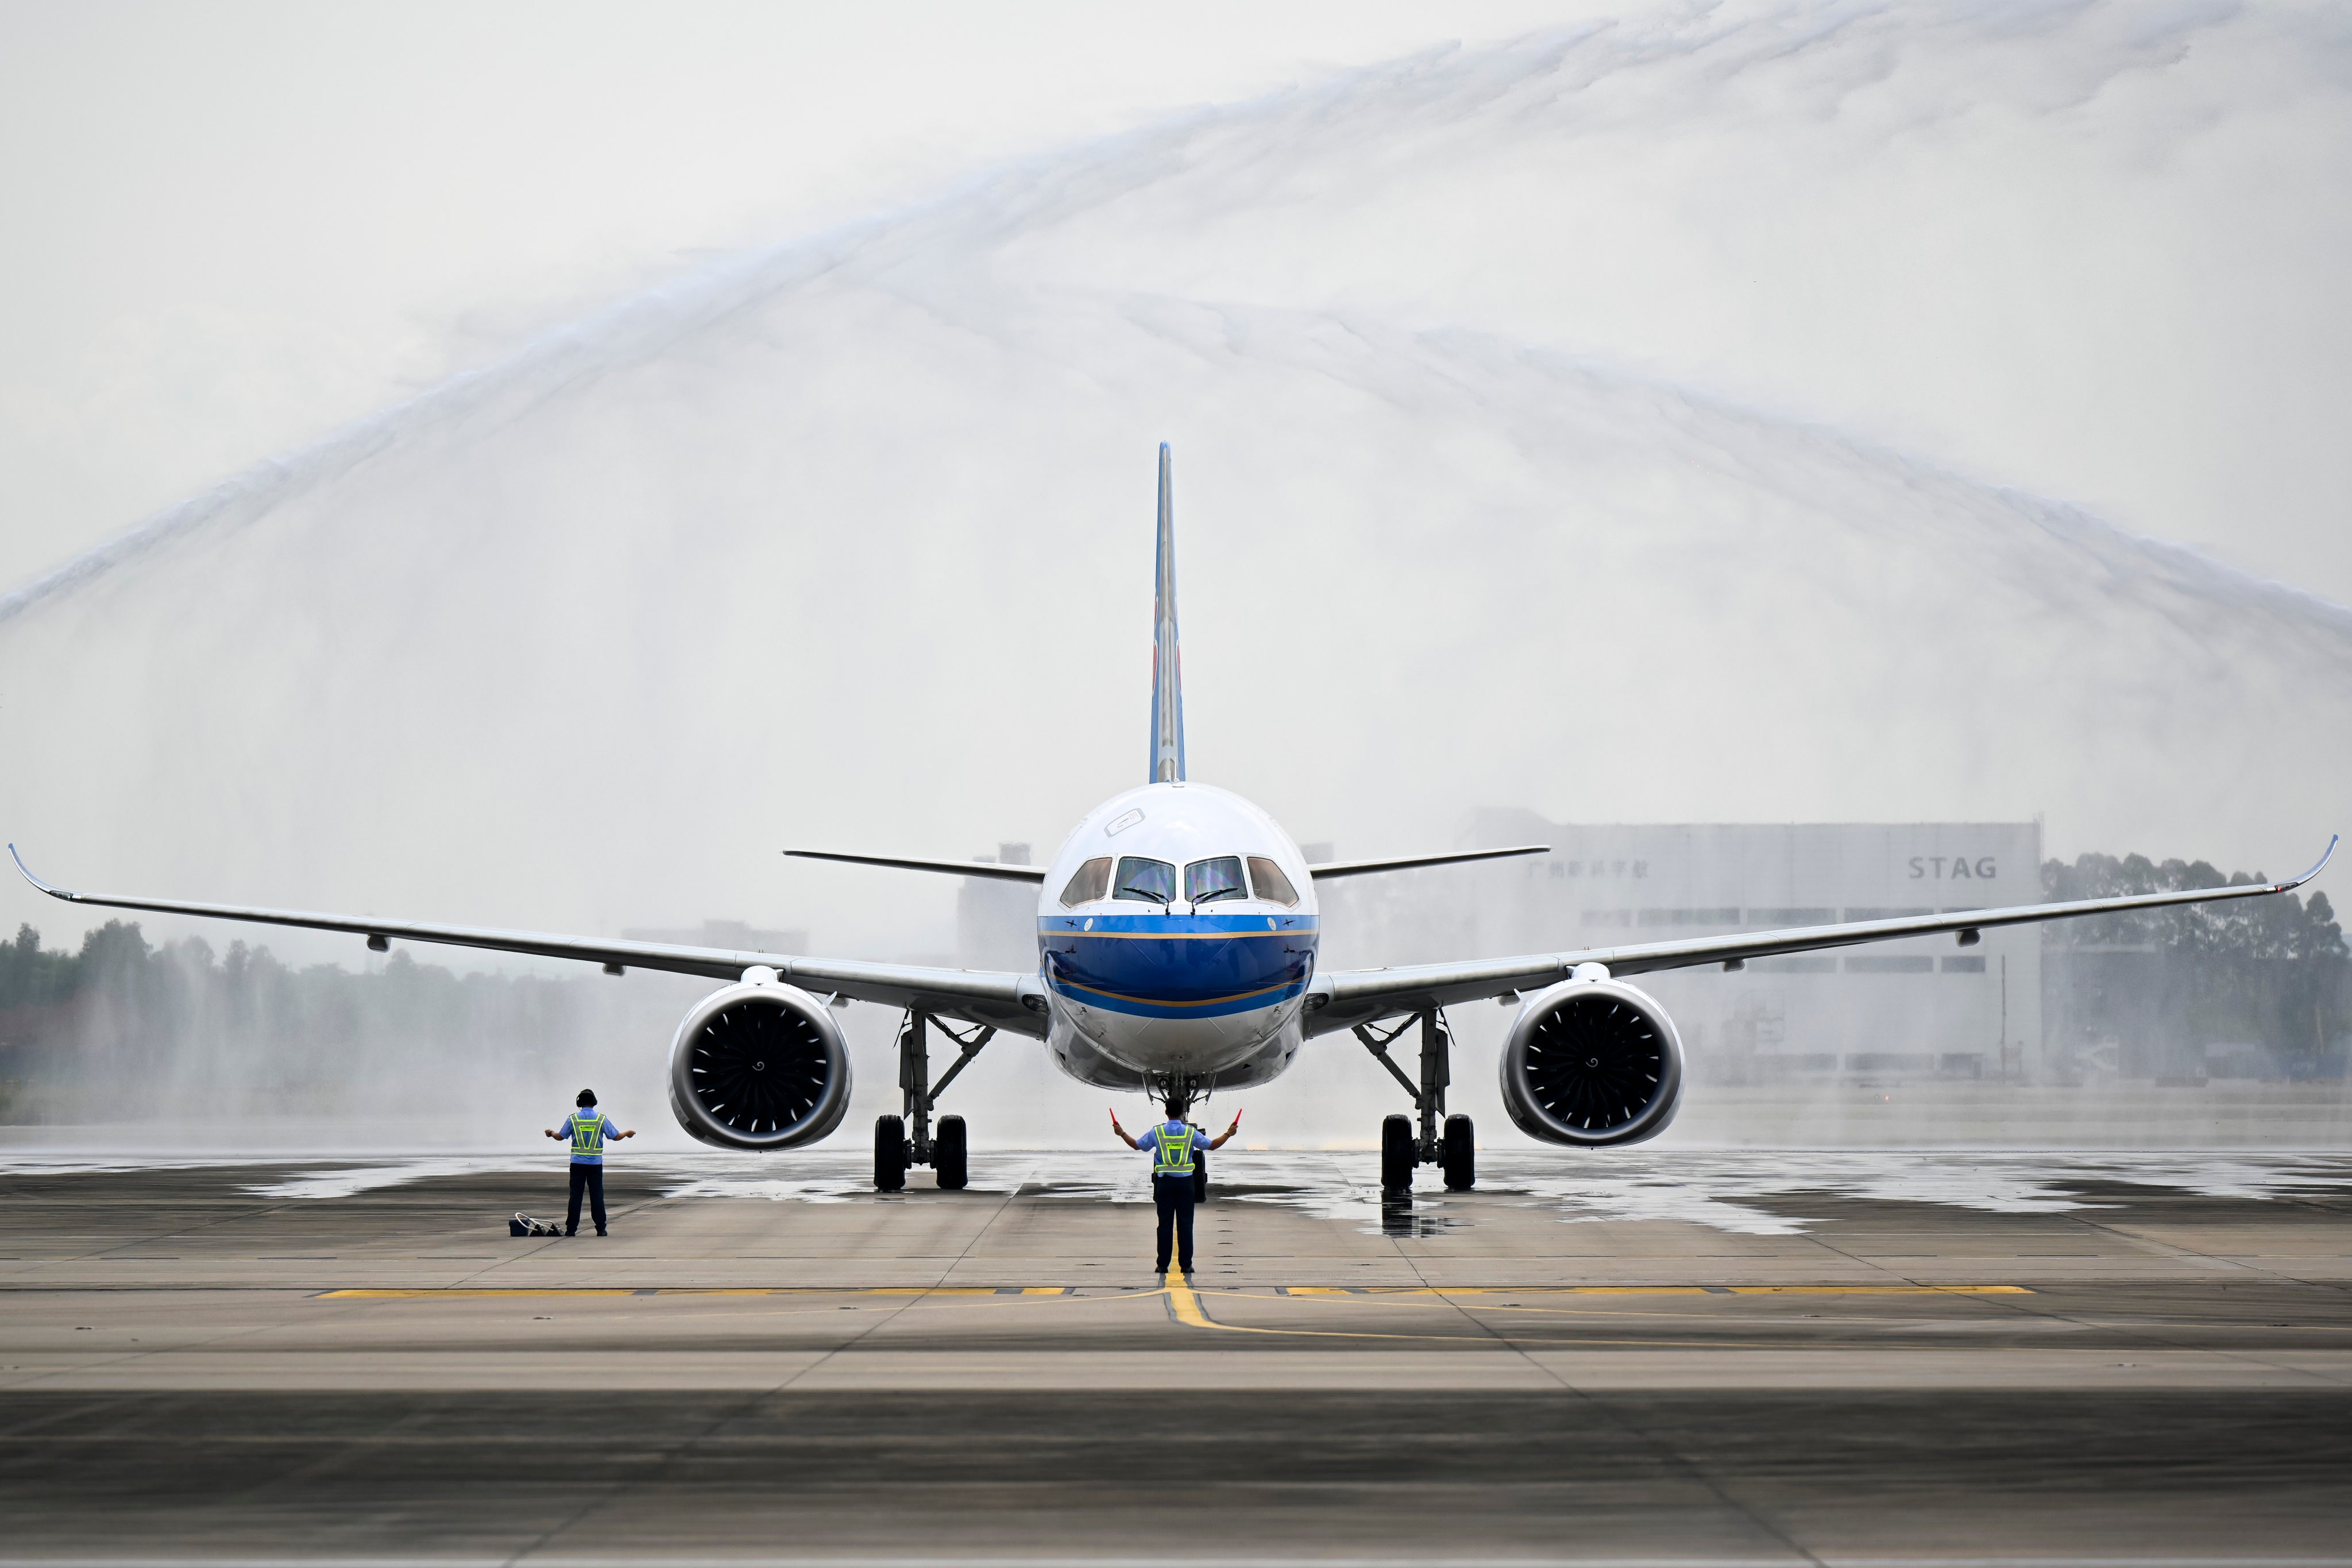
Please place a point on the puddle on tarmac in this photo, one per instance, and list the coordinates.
(1747, 1192)
(347, 1181)
(1402, 1219)
(1753, 1192)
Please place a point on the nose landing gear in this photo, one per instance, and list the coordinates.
(1454, 1150)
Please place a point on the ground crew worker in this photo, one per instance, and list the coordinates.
(588, 1128)
(1171, 1144)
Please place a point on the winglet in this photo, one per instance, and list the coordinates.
(2298, 881)
(27, 872)
(1167, 663)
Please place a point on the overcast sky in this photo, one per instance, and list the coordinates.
(227, 228)
(1684, 412)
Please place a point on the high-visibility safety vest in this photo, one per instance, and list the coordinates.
(1172, 1149)
(588, 1135)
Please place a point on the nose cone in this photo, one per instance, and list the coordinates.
(1180, 966)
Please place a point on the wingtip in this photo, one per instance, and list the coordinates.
(2318, 866)
(26, 872)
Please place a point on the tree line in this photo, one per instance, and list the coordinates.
(120, 1025)
(2268, 979)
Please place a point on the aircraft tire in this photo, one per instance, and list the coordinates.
(1396, 1155)
(947, 1155)
(1459, 1155)
(889, 1154)
(1199, 1176)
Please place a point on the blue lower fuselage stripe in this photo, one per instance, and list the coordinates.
(1179, 966)
(1140, 1007)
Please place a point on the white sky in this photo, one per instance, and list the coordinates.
(2091, 251)
(225, 229)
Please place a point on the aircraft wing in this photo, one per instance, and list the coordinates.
(987, 869)
(1343, 999)
(1010, 1001)
(1329, 870)
(1034, 874)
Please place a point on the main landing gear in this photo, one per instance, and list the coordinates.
(1454, 1149)
(895, 1147)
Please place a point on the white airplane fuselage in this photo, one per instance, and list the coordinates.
(1176, 935)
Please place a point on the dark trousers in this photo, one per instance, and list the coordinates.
(592, 1178)
(1173, 1194)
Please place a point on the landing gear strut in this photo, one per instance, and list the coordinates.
(1455, 1149)
(896, 1145)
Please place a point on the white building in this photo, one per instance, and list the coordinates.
(1925, 1007)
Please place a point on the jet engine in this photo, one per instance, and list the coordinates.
(759, 1067)
(1592, 1062)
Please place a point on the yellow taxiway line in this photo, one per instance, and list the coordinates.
(448, 1292)
(1308, 1291)
(1655, 1290)
(1184, 1305)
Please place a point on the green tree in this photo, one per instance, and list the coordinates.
(2273, 971)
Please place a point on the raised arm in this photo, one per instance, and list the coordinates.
(1218, 1141)
(1123, 1138)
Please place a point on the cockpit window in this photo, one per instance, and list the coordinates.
(1271, 884)
(1206, 882)
(1092, 881)
(1145, 882)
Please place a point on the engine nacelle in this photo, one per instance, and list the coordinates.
(759, 1067)
(1592, 1062)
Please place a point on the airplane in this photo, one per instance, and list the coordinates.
(1177, 938)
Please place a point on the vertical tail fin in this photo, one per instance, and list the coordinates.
(1167, 665)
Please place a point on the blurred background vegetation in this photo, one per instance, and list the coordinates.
(2254, 988)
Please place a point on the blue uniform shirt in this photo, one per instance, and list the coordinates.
(1168, 1132)
(588, 1128)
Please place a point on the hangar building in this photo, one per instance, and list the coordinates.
(1909, 1008)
